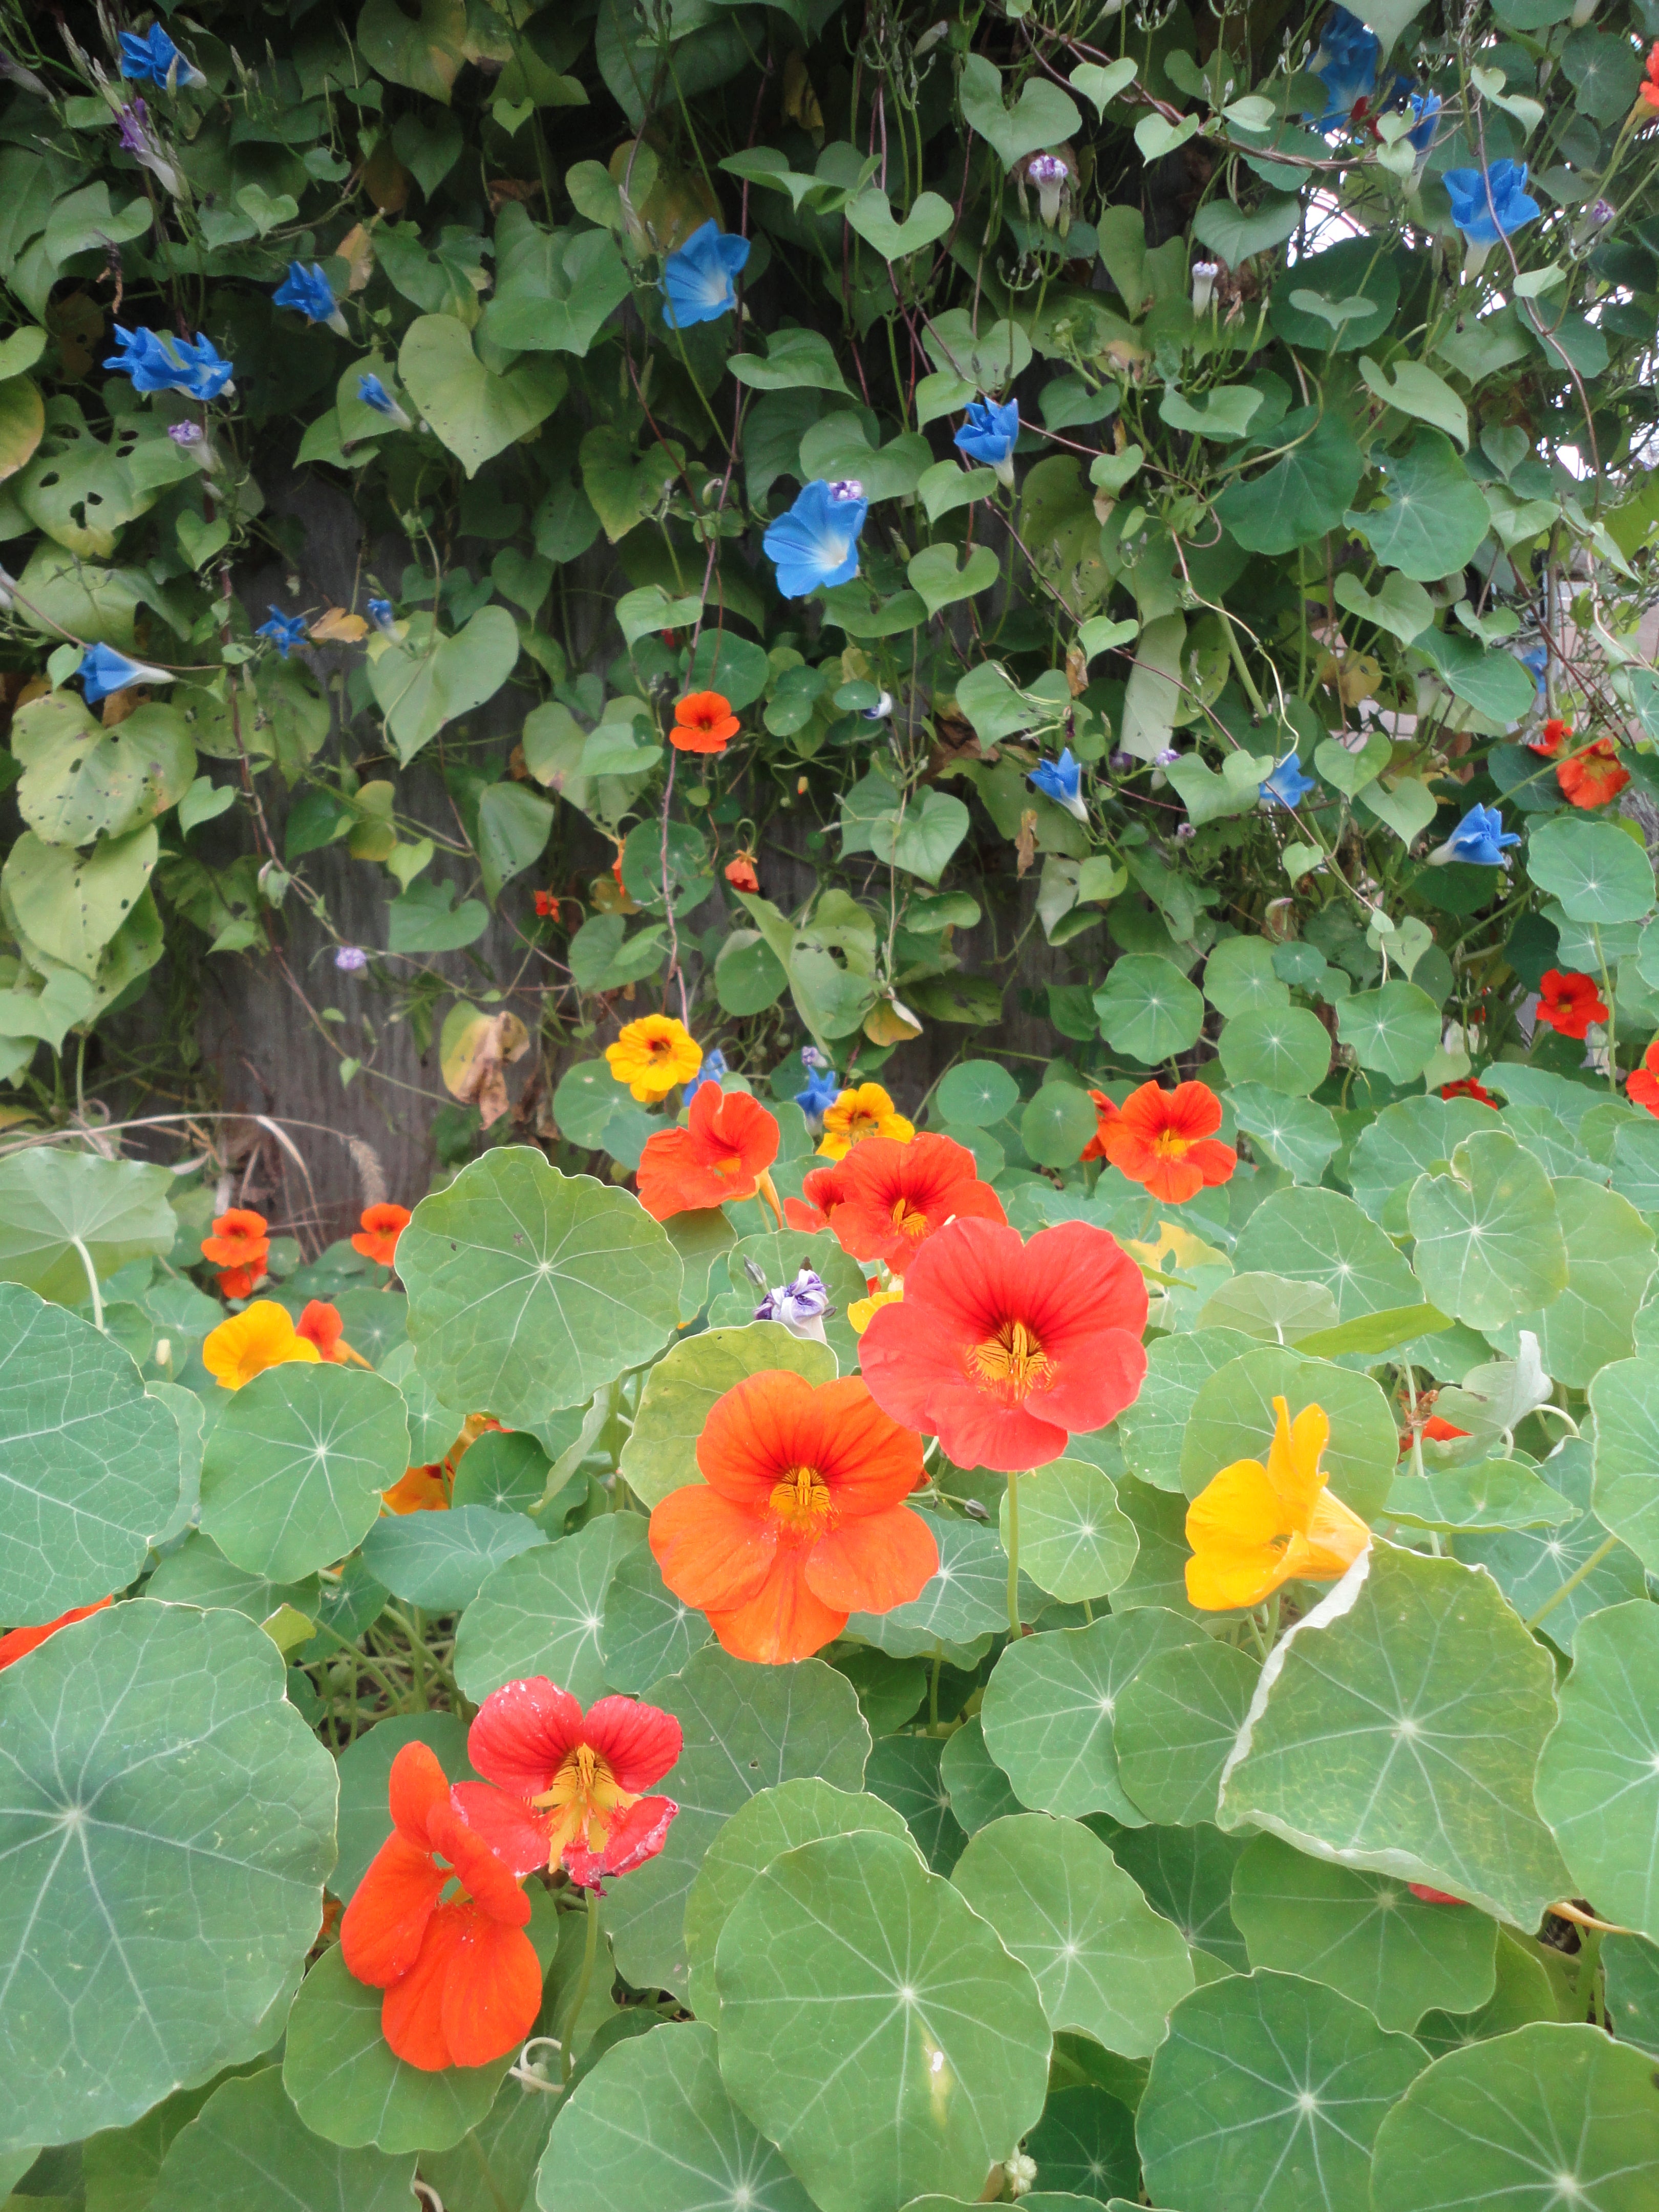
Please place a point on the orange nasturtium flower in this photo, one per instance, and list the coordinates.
(1163, 1138)
(1000, 1349)
(730, 1143)
(571, 1787)
(652, 1055)
(320, 1324)
(463, 1983)
(1467, 1087)
(1642, 1083)
(382, 1226)
(1252, 1526)
(238, 1247)
(865, 1111)
(800, 1519)
(884, 1198)
(1569, 1004)
(1592, 777)
(704, 723)
(740, 872)
(1551, 738)
(1648, 88)
(262, 1336)
(419, 1490)
(18, 1642)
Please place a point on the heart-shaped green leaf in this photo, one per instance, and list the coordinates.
(1042, 115)
(474, 411)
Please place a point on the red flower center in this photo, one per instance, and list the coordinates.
(1012, 1364)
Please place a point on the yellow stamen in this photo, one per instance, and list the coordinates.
(802, 1500)
(909, 1218)
(1011, 1362)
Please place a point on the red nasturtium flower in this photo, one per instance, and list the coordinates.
(18, 1642)
(1569, 1004)
(320, 1324)
(1001, 1349)
(463, 1983)
(730, 1142)
(885, 1198)
(1594, 776)
(238, 1247)
(1551, 738)
(571, 1786)
(1165, 1139)
(1435, 1432)
(1421, 1888)
(1467, 1087)
(800, 1520)
(740, 872)
(704, 723)
(382, 1226)
(1648, 88)
(1642, 1083)
(547, 904)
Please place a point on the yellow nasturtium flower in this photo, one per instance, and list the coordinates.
(868, 1111)
(652, 1055)
(863, 1311)
(1254, 1526)
(262, 1336)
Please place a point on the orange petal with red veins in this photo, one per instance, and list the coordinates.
(712, 1554)
(872, 1564)
(491, 1993)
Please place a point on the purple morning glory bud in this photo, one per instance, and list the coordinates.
(802, 1306)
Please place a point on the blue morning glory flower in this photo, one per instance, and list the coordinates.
(1061, 780)
(1288, 786)
(698, 280)
(1486, 208)
(156, 363)
(208, 373)
(713, 1066)
(285, 631)
(381, 614)
(987, 434)
(1346, 65)
(818, 541)
(152, 58)
(308, 290)
(1537, 659)
(141, 356)
(103, 670)
(1425, 118)
(373, 393)
(823, 1084)
(1479, 838)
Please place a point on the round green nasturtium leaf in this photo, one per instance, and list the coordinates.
(1085, 2148)
(1489, 1242)
(1412, 1137)
(247, 2149)
(747, 1728)
(374, 1322)
(1268, 2095)
(873, 2028)
(772, 1822)
(1394, 1032)
(198, 1573)
(59, 1210)
(1266, 1308)
(1599, 874)
(652, 2125)
(1397, 1727)
(294, 1469)
(1527, 1989)
(967, 1598)
(542, 1613)
(365, 1771)
(1352, 270)
(1239, 978)
(1295, 1134)
(508, 1469)
(1493, 1494)
(89, 1466)
(1631, 1966)
(1175, 1724)
(1598, 1778)
(979, 1791)
(433, 1427)
(1287, 1048)
(1186, 1874)
(349, 2087)
(1553, 2116)
(1624, 1400)
(1105, 1964)
(1532, 1566)
(202, 1812)
(441, 1560)
(1048, 1709)
(660, 1453)
(1177, 1367)
(1610, 1262)
(647, 1632)
(977, 1092)
(1147, 1008)
(1056, 1125)
(529, 1290)
(1233, 1418)
(903, 1770)
(1073, 1542)
(1365, 1934)
(1320, 1236)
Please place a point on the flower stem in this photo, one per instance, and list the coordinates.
(1013, 1556)
(584, 1982)
(1573, 1581)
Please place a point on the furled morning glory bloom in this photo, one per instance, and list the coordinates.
(1204, 276)
(816, 542)
(103, 670)
(1346, 65)
(1537, 659)
(1288, 786)
(802, 1306)
(8, 588)
(193, 440)
(1061, 780)
(373, 393)
(12, 72)
(881, 710)
(713, 1066)
(1049, 174)
(697, 279)
(823, 1084)
(1490, 207)
(151, 58)
(285, 631)
(352, 958)
(1425, 118)
(1479, 838)
(308, 290)
(381, 614)
(132, 127)
(987, 434)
